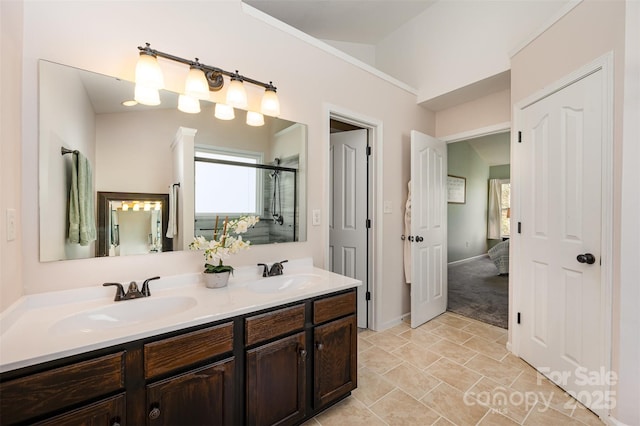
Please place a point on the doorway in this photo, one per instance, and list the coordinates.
(479, 231)
(349, 214)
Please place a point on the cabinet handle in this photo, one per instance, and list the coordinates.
(154, 414)
(115, 422)
(303, 353)
(320, 346)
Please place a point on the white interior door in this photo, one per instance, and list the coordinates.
(559, 272)
(348, 217)
(428, 228)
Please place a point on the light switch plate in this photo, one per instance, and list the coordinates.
(315, 217)
(387, 207)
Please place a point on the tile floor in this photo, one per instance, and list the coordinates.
(450, 371)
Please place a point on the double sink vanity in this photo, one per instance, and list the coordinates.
(274, 350)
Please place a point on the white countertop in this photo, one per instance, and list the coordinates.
(35, 328)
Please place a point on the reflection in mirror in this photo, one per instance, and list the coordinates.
(132, 223)
(143, 149)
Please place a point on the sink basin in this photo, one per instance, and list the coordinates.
(123, 314)
(283, 283)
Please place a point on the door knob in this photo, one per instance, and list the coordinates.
(587, 258)
(411, 238)
(419, 239)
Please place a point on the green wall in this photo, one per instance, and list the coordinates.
(500, 172)
(467, 223)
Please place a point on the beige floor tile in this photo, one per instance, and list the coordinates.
(411, 380)
(451, 404)
(544, 416)
(371, 386)
(586, 416)
(452, 320)
(454, 374)
(400, 328)
(453, 334)
(363, 345)
(486, 331)
(549, 394)
(502, 340)
(429, 325)
(311, 422)
(416, 355)
(420, 337)
(494, 418)
(514, 361)
(443, 422)
(378, 360)
(387, 341)
(495, 370)
(349, 412)
(398, 408)
(503, 400)
(364, 334)
(453, 351)
(490, 349)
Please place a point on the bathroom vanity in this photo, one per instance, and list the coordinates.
(276, 355)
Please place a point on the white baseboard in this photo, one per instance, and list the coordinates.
(468, 259)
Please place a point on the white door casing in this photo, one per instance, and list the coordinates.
(563, 304)
(348, 210)
(428, 228)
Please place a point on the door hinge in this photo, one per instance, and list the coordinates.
(368, 224)
(368, 150)
(368, 295)
(518, 320)
(519, 137)
(519, 227)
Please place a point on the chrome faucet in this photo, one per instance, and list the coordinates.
(132, 292)
(276, 269)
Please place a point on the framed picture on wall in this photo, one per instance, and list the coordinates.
(456, 189)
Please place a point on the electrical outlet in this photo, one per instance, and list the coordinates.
(315, 217)
(386, 207)
(11, 224)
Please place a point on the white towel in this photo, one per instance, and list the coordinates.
(407, 243)
(172, 226)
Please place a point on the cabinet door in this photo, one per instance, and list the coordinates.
(108, 412)
(335, 358)
(198, 397)
(276, 382)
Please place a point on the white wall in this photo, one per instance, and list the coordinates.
(10, 149)
(102, 36)
(456, 43)
(364, 52)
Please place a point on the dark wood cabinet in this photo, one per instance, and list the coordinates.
(199, 397)
(276, 382)
(335, 362)
(278, 366)
(108, 412)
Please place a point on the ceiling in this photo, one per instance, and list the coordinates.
(356, 21)
(493, 149)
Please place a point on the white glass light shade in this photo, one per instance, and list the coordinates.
(270, 103)
(147, 206)
(125, 206)
(136, 206)
(146, 95)
(236, 94)
(255, 119)
(148, 72)
(188, 104)
(158, 204)
(224, 112)
(196, 84)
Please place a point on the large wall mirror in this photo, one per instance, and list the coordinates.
(196, 166)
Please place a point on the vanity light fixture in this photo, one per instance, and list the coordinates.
(224, 112)
(147, 206)
(255, 119)
(125, 206)
(201, 79)
(136, 206)
(188, 104)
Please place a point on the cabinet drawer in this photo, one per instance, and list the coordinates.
(109, 411)
(41, 393)
(273, 324)
(173, 353)
(334, 307)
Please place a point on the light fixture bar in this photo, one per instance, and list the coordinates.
(212, 73)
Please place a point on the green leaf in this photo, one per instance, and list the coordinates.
(216, 269)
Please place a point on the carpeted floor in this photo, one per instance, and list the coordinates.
(477, 291)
